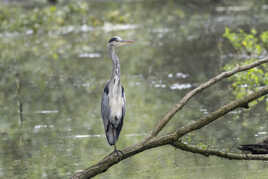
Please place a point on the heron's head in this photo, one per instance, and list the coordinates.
(117, 41)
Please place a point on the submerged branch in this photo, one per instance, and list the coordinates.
(218, 153)
(163, 122)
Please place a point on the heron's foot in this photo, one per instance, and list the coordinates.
(118, 153)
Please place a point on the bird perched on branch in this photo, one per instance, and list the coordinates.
(258, 148)
(113, 103)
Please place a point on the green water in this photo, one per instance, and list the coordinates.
(53, 69)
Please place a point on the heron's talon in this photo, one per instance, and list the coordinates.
(118, 153)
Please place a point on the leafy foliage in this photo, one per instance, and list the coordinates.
(47, 18)
(249, 47)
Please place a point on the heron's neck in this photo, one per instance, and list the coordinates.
(116, 65)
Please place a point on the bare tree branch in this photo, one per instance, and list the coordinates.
(213, 152)
(171, 138)
(163, 122)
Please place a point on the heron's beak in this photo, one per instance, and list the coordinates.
(125, 42)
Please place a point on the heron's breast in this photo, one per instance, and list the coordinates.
(116, 104)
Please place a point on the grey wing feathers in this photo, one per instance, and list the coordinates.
(105, 108)
(123, 115)
(124, 107)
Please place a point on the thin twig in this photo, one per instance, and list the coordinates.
(163, 122)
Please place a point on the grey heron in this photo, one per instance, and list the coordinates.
(113, 102)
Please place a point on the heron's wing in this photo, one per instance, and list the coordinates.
(120, 125)
(124, 106)
(105, 108)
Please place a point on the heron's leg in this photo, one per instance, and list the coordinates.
(115, 141)
(117, 152)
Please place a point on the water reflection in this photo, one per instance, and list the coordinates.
(177, 86)
(108, 27)
(89, 55)
(46, 111)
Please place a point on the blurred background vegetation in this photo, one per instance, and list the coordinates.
(54, 64)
